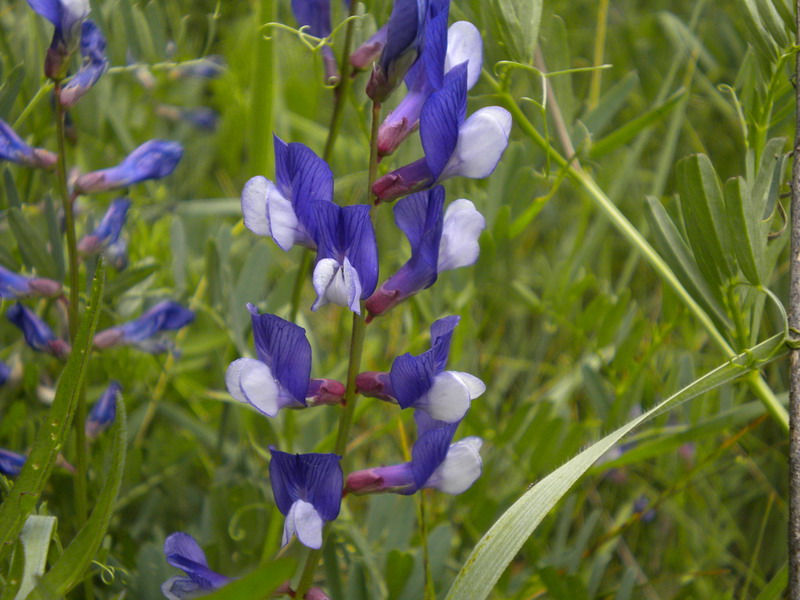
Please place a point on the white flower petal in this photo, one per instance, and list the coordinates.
(249, 380)
(304, 521)
(447, 400)
(336, 283)
(283, 224)
(475, 386)
(460, 468)
(267, 212)
(482, 139)
(462, 228)
(464, 44)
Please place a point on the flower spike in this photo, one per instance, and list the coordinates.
(183, 552)
(308, 491)
(280, 376)
(438, 243)
(152, 160)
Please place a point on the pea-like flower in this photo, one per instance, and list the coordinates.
(439, 242)
(308, 492)
(95, 63)
(14, 149)
(284, 209)
(316, 16)
(104, 411)
(66, 16)
(11, 463)
(37, 333)
(444, 49)
(281, 375)
(453, 144)
(368, 52)
(404, 35)
(152, 160)
(346, 270)
(183, 552)
(116, 253)
(421, 382)
(14, 285)
(435, 463)
(143, 332)
(109, 229)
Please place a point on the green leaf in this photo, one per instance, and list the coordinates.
(51, 437)
(520, 21)
(744, 224)
(35, 536)
(760, 37)
(770, 175)
(68, 570)
(495, 550)
(678, 256)
(610, 103)
(257, 585)
(703, 211)
(10, 90)
(32, 245)
(623, 135)
(130, 277)
(399, 566)
(772, 23)
(11, 189)
(774, 589)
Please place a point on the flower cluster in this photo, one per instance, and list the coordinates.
(297, 207)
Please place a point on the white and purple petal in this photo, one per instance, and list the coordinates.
(305, 522)
(251, 381)
(441, 117)
(448, 398)
(464, 44)
(459, 246)
(482, 139)
(460, 468)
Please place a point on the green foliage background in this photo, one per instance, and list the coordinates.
(572, 331)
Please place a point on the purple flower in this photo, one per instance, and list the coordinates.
(66, 16)
(117, 254)
(404, 36)
(109, 229)
(316, 16)
(104, 411)
(11, 462)
(13, 149)
(202, 117)
(421, 381)
(5, 372)
(14, 285)
(95, 63)
(368, 52)
(438, 243)
(280, 376)
(308, 491)
(283, 210)
(152, 160)
(346, 270)
(435, 463)
(183, 552)
(444, 50)
(37, 333)
(164, 316)
(453, 144)
(210, 67)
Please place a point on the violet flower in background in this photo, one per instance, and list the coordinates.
(142, 332)
(316, 16)
(453, 144)
(202, 117)
(104, 411)
(14, 149)
(183, 552)
(404, 35)
(37, 333)
(435, 463)
(368, 52)
(95, 63)
(66, 16)
(346, 270)
(5, 372)
(421, 382)
(439, 242)
(116, 254)
(308, 492)
(280, 376)
(11, 463)
(283, 210)
(14, 285)
(152, 160)
(109, 229)
(209, 67)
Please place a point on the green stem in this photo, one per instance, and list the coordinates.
(340, 93)
(356, 349)
(430, 590)
(632, 235)
(81, 461)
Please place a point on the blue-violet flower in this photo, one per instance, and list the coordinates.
(183, 552)
(109, 229)
(14, 285)
(37, 333)
(95, 63)
(104, 411)
(14, 149)
(438, 243)
(11, 463)
(280, 376)
(152, 160)
(308, 491)
(164, 316)
(66, 16)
